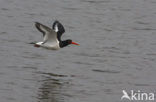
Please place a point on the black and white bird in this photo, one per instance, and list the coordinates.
(52, 37)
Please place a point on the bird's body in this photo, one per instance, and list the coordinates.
(48, 45)
(52, 37)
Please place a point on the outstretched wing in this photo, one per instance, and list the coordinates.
(58, 27)
(49, 35)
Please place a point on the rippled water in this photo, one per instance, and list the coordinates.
(117, 50)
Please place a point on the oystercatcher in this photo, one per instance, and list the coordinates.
(52, 37)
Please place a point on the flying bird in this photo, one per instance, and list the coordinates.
(52, 37)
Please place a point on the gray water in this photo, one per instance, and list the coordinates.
(117, 50)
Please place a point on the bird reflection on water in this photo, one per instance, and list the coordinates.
(52, 88)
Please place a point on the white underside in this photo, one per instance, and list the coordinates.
(54, 46)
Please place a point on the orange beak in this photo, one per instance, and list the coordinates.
(74, 43)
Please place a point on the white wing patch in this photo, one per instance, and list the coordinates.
(56, 28)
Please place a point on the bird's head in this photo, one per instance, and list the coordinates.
(69, 41)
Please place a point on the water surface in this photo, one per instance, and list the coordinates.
(117, 50)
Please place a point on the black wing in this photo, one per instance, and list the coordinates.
(58, 27)
(37, 25)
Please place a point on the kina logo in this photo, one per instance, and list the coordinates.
(138, 95)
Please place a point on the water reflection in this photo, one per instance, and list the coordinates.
(52, 88)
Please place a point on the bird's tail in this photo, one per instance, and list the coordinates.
(32, 43)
